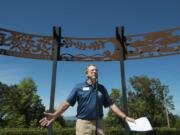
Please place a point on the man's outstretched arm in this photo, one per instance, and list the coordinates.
(118, 112)
(50, 117)
(61, 109)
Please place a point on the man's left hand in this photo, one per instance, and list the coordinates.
(129, 119)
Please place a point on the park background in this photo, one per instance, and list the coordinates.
(89, 19)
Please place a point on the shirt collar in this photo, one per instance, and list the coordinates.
(88, 83)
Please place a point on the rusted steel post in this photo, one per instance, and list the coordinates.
(121, 38)
(55, 54)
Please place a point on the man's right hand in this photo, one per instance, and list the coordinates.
(48, 119)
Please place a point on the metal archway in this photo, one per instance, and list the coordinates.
(118, 48)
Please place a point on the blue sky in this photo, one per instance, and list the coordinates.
(95, 18)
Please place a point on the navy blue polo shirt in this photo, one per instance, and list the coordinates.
(85, 95)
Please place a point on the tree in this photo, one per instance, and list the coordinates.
(112, 120)
(21, 106)
(30, 104)
(147, 99)
(60, 120)
(177, 124)
(6, 96)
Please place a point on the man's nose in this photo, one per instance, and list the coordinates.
(95, 71)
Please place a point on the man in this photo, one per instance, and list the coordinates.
(91, 97)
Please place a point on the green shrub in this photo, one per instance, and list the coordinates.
(71, 131)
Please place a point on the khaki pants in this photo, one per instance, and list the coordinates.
(88, 127)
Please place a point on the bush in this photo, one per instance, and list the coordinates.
(71, 131)
(36, 131)
(23, 131)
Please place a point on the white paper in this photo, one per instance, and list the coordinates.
(141, 124)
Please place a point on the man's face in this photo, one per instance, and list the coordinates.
(92, 72)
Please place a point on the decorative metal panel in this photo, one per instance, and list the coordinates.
(90, 49)
(154, 44)
(40, 47)
(148, 45)
(25, 45)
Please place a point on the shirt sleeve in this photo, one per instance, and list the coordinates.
(107, 100)
(72, 96)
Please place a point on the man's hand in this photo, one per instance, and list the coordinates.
(129, 119)
(48, 119)
(117, 111)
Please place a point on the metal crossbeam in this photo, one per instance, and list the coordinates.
(25, 45)
(147, 45)
(154, 44)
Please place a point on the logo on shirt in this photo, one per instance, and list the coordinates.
(85, 88)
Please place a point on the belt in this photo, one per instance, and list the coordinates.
(89, 121)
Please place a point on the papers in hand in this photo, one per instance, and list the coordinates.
(141, 124)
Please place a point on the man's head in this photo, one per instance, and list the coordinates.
(91, 71)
